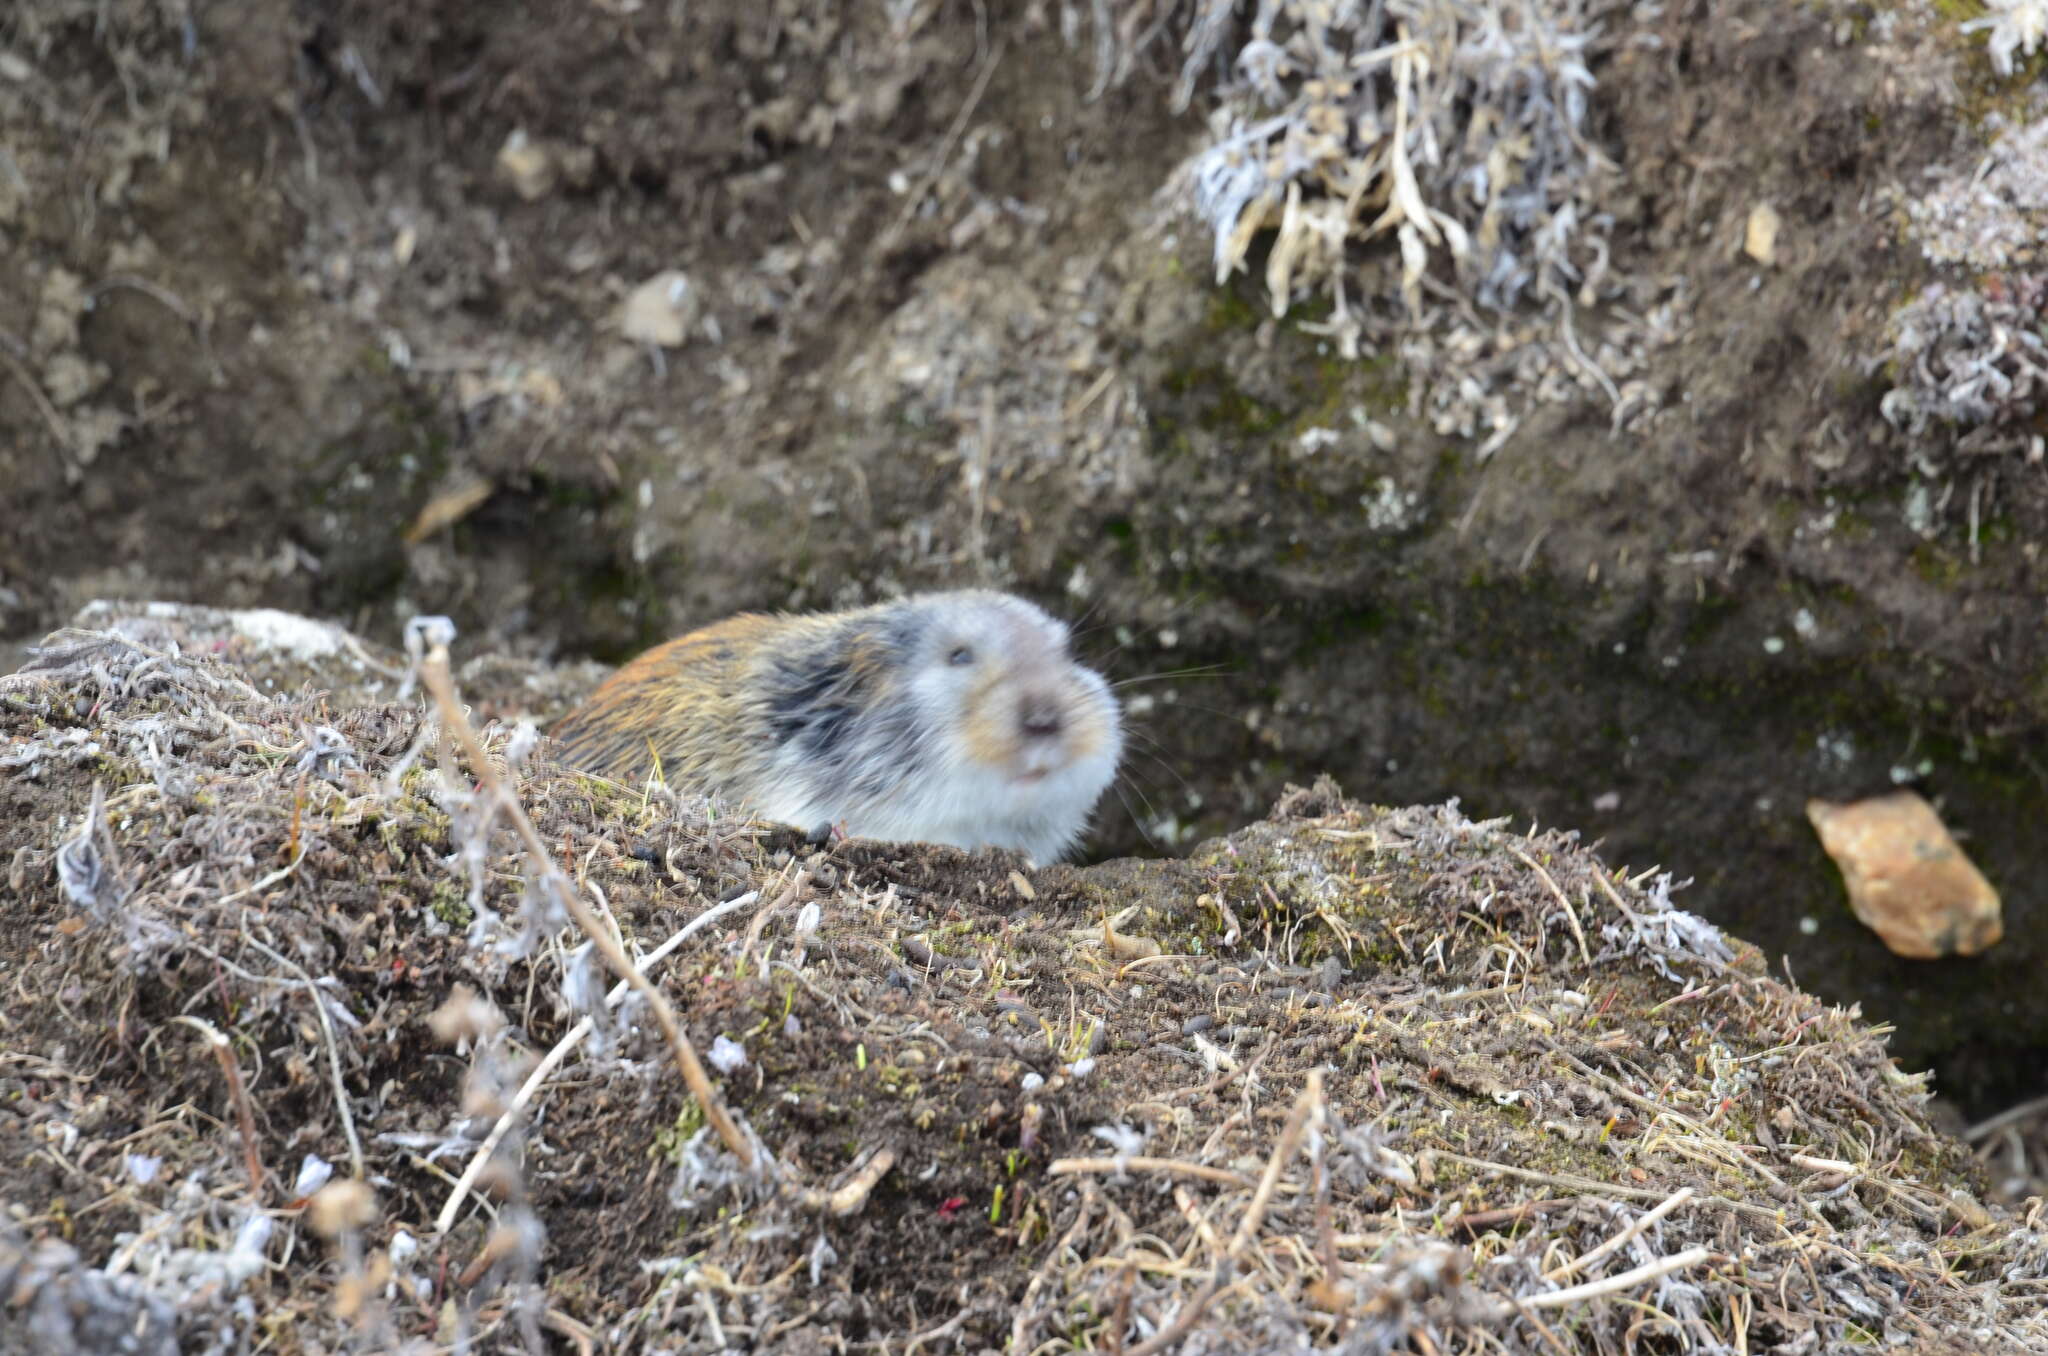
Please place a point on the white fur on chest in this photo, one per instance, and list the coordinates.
(961, 807)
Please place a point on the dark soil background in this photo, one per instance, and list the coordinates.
(948, 333)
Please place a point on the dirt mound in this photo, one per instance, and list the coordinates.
(1370, 1079)
(318, 307)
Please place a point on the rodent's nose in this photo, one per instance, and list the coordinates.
(1040, 717)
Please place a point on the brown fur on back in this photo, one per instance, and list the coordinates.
(691, 703)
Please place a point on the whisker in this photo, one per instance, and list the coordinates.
(1148, 745)
(1171, 770)
(1149, 739)
(1079, 626)
(1137, 820)
(1198, 671)
(1217, 711)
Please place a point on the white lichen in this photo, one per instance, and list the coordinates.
(1969, 354)
(1985, 213)
(1389, 508)
(2016, 26)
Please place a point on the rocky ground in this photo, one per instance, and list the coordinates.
(327, 309)
(310, 1059)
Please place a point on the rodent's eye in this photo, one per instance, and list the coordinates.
(960, 657)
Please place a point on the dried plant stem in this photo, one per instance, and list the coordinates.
(1984, 1129)
(938, 165)
(563, 1048)
(1027, 1313)
(1642, 1222)
(1283, 1153)
(246, 1118)
(1543, 1331)
(1569, 912)
(1190, 1313)
(1625, 1280)
(1310, 1101)
(1120, 1312)
(1068, 1167)
(940, 1333)
(984, 450)
(348, 1120)
(580, 1334)
(202, 330)
(282, 873)
(434, 673)
(1477, 1220)
(850, 1197)
(65, 452)
(1593, 1186)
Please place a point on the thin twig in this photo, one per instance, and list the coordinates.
(1614, 896)
(1311, 1100)
(1290, 1136)
(1529, 1316)
(65, 452)
(282, 873)
(1120, 1312)
(1984, 1129)
(172, 302)
(1625, 1280)
(938, 166)
(1641, 1222)
(1025, 1315)
(1590, 1185)
(348, 1120)
(1595, 1187)
(984, 451)
(224, 1052)
(1190, 1312)
(943, 1331)
(434, 673)
(1475, 1221)
(1068, 1167)
(563, 1048)
(1569, 912)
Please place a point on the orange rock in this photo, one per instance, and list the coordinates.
(1908, 881)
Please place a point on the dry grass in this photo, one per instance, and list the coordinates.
(1369, 1080)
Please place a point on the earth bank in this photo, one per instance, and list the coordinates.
(293, 327)
(1365, 1078)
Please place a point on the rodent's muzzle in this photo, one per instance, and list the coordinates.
(1033, 731)
(1041, 716)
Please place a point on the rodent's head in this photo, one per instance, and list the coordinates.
(1018, 709)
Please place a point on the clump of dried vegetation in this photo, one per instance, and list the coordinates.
(1970, 353)
(360, 1028)
(1454, 131)
(1455, 126)
(1973, 360)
